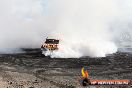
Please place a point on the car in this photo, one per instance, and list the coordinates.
(50, 45)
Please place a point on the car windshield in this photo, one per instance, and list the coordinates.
(52, 41)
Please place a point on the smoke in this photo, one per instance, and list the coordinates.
(84, 27)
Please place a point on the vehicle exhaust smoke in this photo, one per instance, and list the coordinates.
(84, 27)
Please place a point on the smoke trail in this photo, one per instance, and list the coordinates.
(85, 27)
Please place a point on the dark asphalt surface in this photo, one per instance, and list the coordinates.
(65, 72)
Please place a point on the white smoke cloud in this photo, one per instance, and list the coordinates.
(83, 26)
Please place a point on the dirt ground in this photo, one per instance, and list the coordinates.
(33, 70)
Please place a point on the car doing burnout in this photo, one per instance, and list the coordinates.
(50, 44)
